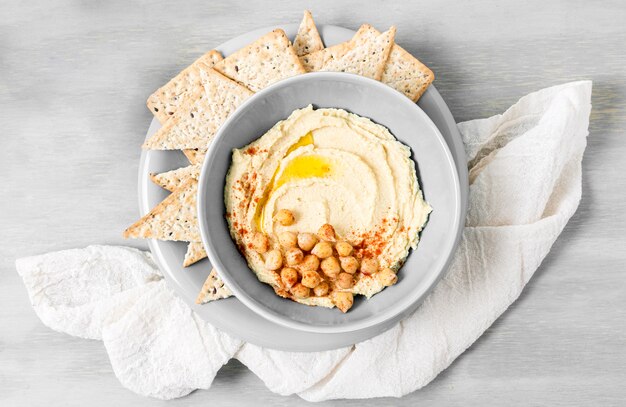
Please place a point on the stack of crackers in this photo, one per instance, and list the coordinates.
(195, 103)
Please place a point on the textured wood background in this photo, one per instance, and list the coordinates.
(74, 76)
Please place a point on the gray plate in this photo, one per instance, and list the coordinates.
(231, 315)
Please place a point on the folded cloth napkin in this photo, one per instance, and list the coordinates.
(525, 176)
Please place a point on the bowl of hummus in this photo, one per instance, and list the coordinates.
(329, 202)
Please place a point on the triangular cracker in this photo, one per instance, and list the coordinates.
(195, 155)
(171, 180)
(407, 74)
(175, 218)
(213, 289)
(308, 39)
(365, 33)
(195, 253)
(367, 59)
(314, 61)
(196, 121)
(265, 61)
(166, 100)
(403, 71)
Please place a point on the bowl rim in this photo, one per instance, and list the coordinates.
(407, 303)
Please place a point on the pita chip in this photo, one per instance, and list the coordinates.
(403, 71)
(367, 59)
(265, 61)
(198, 119)
(213, 289)
(195, 155)
(171, 180)
(166, 100)
(175, 218)
(315, 61)
(407, 74)
(308, 39)
(195, 253)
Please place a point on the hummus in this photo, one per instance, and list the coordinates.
(327, 166)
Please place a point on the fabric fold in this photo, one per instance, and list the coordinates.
(525, 184)
(73, 291)
(160, 348)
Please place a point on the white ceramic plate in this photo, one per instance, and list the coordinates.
(230, 315)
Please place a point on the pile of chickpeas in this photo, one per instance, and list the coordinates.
(302, 256)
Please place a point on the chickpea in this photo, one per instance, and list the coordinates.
(330, 267)
(294, 256)
(343, 248)
(310, 279)
(306, 241)
(260, 243)
(343, 300)
(300, 291)
(321, 289)
(273, 260)
(288, 239)
(310, 262)
(289, 277)
(327, 232)
(284, 217)
(349, 264)
(387, 277)
(323, 250)
(369, 266)
(345, 280)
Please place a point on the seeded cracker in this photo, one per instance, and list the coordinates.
(195, 253)
(407, 74)
(403, 71)
(213, 289)
(367, 59)
(195, 155)
(308, 38)
(171, 180)
(314, 61)
(265, 61)
(196, 121)
(175, 218)
(166, 100)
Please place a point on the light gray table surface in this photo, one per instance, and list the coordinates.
(74, 77)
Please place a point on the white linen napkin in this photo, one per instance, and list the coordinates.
(525, 175)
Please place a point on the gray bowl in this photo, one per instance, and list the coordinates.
(436, 172)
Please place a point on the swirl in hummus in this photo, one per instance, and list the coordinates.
(327, 166)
